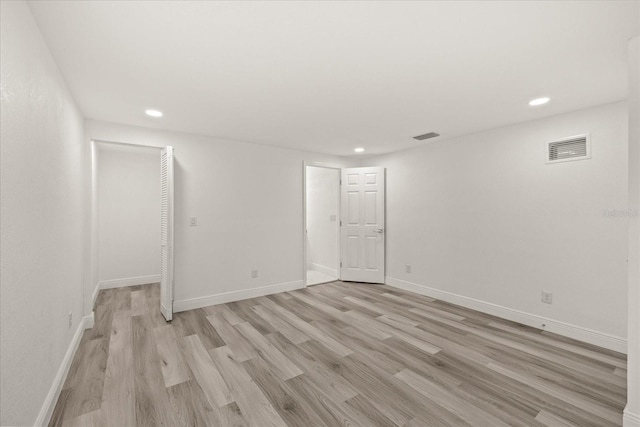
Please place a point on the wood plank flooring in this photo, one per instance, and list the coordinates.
(336, 354)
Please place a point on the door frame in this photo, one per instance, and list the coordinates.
(305, 255)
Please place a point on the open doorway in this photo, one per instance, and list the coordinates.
(128, 220)
(322, 224)
(132, 219)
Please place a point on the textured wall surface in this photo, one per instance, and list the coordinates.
(41, 200)
(632, 411)
(482, 216)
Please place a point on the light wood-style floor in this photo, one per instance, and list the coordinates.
(334, 354)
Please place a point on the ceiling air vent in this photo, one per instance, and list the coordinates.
(576, 147)
(426, 136)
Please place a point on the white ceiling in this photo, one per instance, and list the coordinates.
(331, 76)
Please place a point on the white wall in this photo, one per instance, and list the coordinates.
(248, 201)
(128, 214)
(322, 213)
(483, 217)
(42, 220)
(632, 411)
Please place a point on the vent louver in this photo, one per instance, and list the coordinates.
(567, 149)
(426, 136)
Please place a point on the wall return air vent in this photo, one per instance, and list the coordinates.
(576, 147)
(426, 136)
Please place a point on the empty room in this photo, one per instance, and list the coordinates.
(320, 213)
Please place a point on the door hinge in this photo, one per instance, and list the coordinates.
(340, 264)
(340, 223)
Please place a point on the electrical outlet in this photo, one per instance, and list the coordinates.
(407, 268)
(332, 218)
(193, 222)
(547, 297)
(254, 274)
(70, 319)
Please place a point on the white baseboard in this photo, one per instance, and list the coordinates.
(322, 269)
(89, 320)
(565, 329)
(630, 419)
(129, 281)
(58, 382)
(94, 296)
(193, 303)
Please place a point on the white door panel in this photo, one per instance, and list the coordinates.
(166, 233)
(362, 231)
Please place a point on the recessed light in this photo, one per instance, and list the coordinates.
(153, 113)
(538, 101)
(359, 150)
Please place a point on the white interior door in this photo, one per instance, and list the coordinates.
(166, 233)
(362, 230)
